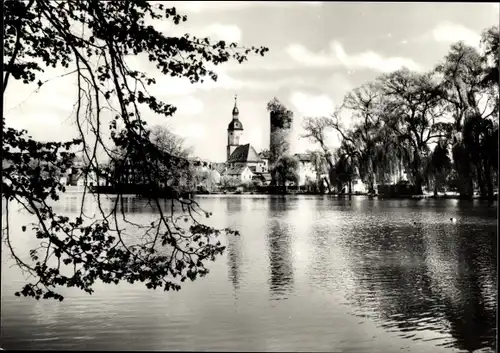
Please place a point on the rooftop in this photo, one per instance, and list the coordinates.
(235, 170)
(244, 153)
(303, 157)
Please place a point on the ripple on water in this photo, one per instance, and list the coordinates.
(310, 274)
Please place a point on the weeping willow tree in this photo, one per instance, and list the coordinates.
(281, 119)
(93, 40)
(438, 166)
(470, 87)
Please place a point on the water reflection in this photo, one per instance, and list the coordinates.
(280, 253)
(423, 287)
(234, 260)
(428, 281)
(233, 205)
(472, 315)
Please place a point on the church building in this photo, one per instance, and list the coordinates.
(241, 159)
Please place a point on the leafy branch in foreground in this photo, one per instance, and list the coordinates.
(94, 39)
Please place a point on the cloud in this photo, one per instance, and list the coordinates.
(217, 31)
(200, 6)
(191, 130)
(188, 106)
(372, 60)
(167, 87)
(451, 32)
(337, 56)
(310, 105)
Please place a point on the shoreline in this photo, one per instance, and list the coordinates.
(79, 189)
(409, 197)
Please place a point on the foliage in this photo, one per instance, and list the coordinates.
(248, 185)
(491, 59)
(438, 166)
(315, 129)
(286, 170)
(265, 153)
(206, 178)
(396, 118)
(472, 100)
(279, 144)
(227, 181)
(169, 142)
(281, 117)
(93, 39)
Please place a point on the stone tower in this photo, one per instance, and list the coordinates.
(234, 131)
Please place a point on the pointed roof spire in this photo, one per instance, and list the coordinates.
(235, 109)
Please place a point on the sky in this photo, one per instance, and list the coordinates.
(318, 53)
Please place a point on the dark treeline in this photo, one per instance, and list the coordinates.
(440, 127)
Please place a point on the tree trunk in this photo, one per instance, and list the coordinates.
(331, 172)
(328, 185)
(489, 182)
(350, 187)
(465, 186)
(480, 181)
(462, 166)
(418, 177)
(418, 185)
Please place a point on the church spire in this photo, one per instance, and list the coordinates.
(235, 109)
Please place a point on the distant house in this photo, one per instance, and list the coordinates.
(219, 167)
(264, 178)
(215, 175)
(245, 156)
(242, 173)
(306, 168)
(77, 178)
(265, 158)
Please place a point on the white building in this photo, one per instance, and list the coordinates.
(306, 168)
(242, 173)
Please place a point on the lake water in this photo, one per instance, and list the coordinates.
(306, 274)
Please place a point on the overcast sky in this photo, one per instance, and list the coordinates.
(318, 52)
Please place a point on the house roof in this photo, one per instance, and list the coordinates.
(303, 157)
(220, 167)
(244, 153)
(235, 170)
(264, 176)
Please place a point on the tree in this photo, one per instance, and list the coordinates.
(364, 104)
(318, 162)
(345, 166)
(280, 125)
(286, 170)
(438, 166)
(93, 39)
(315, 130)
(490, 39)
(281, 116)
(206, 178)
(227, 181)
(169, 142)
(183, 176)
(469, 99)
(411, 111)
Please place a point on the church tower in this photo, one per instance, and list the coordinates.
(234, 131)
